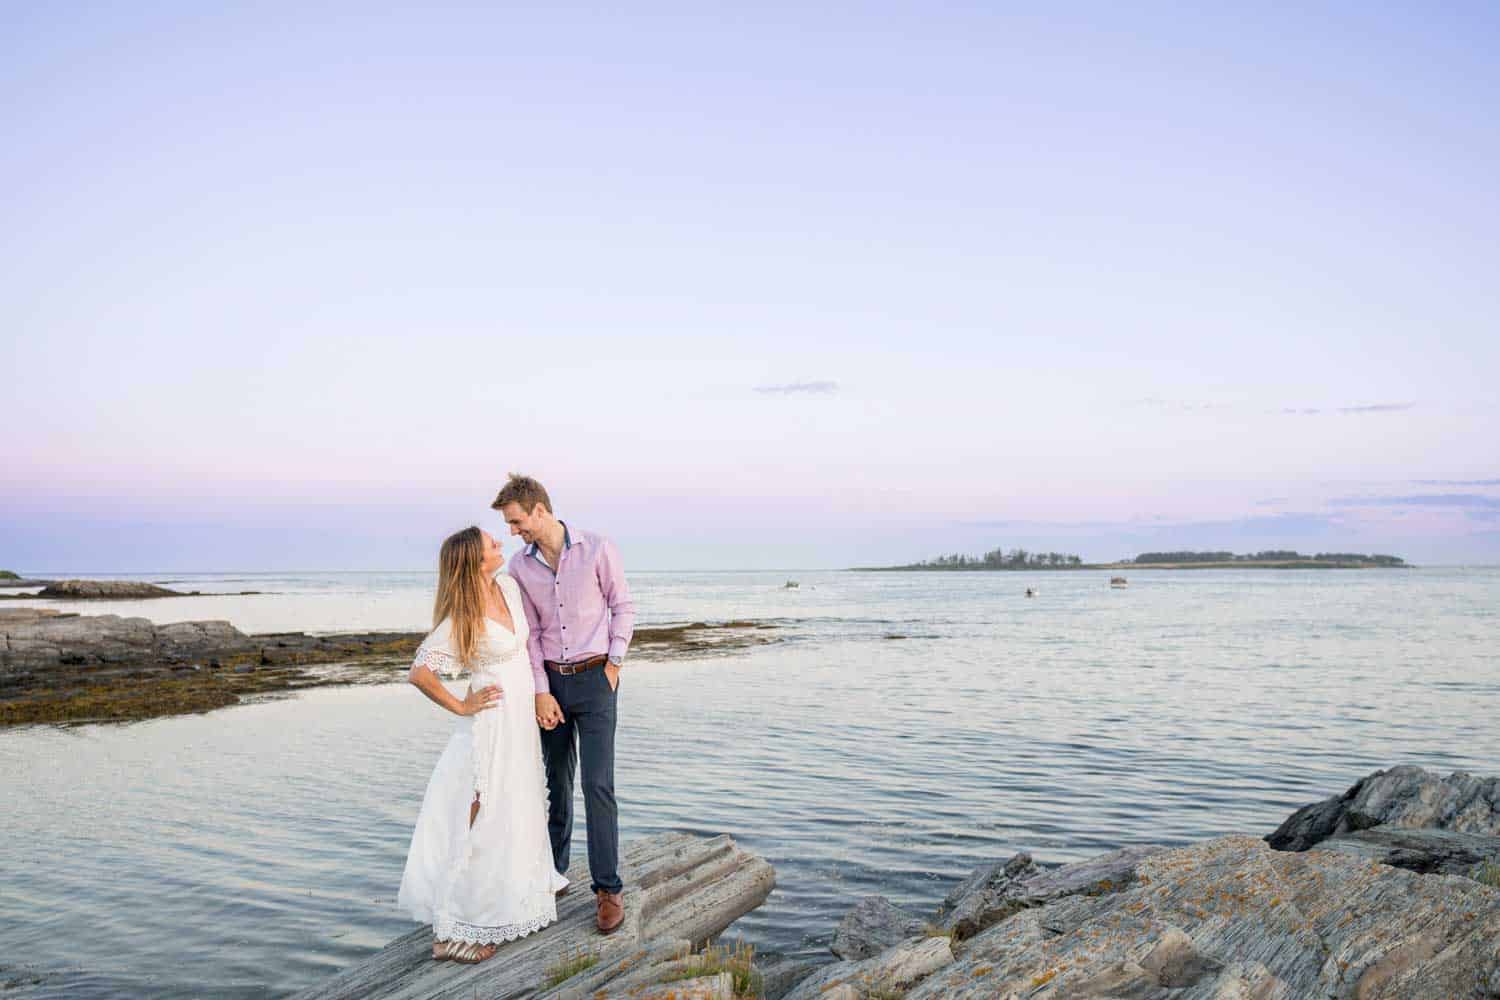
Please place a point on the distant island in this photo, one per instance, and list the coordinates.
(998, 559)
(1020, 559)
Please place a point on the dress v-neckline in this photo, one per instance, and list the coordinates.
(506, 601)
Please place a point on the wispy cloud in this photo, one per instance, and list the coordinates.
(1367, 408)
(799, 389)
(1272, 501)
(1456, 482)
(1378, 408)
(1185, 405)
(1464, 501)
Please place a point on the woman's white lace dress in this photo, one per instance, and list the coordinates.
(493, 882)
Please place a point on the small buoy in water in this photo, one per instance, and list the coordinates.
(1030, 592)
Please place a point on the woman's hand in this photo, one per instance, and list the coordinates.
(477, 701)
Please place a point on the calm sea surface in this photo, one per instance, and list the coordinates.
(907, 728)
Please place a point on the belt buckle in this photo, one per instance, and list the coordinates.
(567, 669)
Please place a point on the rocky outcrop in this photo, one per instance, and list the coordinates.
(1233, 918)
(1373, 910)
(105, 590)
(63, 667)
(60, 666)
(1402, 797)
(40, 639)
(680, 890)
(871, 926)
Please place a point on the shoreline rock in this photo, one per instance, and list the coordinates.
(1348, 915)
(60, 666)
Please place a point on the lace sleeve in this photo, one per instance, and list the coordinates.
(436, 655)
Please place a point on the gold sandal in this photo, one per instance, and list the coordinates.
(471, 954)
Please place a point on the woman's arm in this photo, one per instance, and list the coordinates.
(425, 681)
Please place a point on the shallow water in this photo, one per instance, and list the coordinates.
(254, 850)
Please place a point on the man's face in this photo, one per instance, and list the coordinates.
(527, 525)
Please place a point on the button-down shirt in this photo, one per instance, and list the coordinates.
(578, 611)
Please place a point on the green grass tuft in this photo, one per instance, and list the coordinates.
(1489, 874)
(738, 961)
(569, 967)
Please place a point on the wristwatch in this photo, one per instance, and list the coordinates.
(615, 662)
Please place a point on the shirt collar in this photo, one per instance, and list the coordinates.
(531, 550)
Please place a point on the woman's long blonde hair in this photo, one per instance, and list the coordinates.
(461, 590)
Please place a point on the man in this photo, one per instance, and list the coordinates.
(581, 616)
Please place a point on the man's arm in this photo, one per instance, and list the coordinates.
(533, 639)
(617, 596)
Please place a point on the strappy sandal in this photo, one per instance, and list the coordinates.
(471, 954)
(442, 951)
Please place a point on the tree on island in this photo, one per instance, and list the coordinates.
(1013, 559)
(1271, 556)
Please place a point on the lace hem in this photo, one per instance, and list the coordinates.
(457, 930)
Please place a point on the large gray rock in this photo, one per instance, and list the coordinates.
(1407, 797)
(888, 973)
(983, 898)
(37, 638)
(1233, 918)
(994, 892)
(680, 890)
(870, 927)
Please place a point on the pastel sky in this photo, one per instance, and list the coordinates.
(293, 286)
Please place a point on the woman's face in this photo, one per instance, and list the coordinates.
(493, 557)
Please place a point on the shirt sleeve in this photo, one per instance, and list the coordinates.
(617, 596)
(436, 654)
(533, 640)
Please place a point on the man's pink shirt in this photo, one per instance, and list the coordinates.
(581, 611)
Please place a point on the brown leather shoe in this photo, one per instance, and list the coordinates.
(611, 911)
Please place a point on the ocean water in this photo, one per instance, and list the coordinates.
(902, 730)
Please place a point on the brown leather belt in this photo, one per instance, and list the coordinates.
(577, 667)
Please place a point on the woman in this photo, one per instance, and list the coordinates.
(480, 864)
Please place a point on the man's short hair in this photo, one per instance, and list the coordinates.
(522, 490)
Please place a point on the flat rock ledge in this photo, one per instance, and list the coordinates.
(680, 891)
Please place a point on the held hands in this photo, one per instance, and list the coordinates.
(477, 701)
(548, 711)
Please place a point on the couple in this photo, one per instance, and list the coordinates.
(543, 644)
